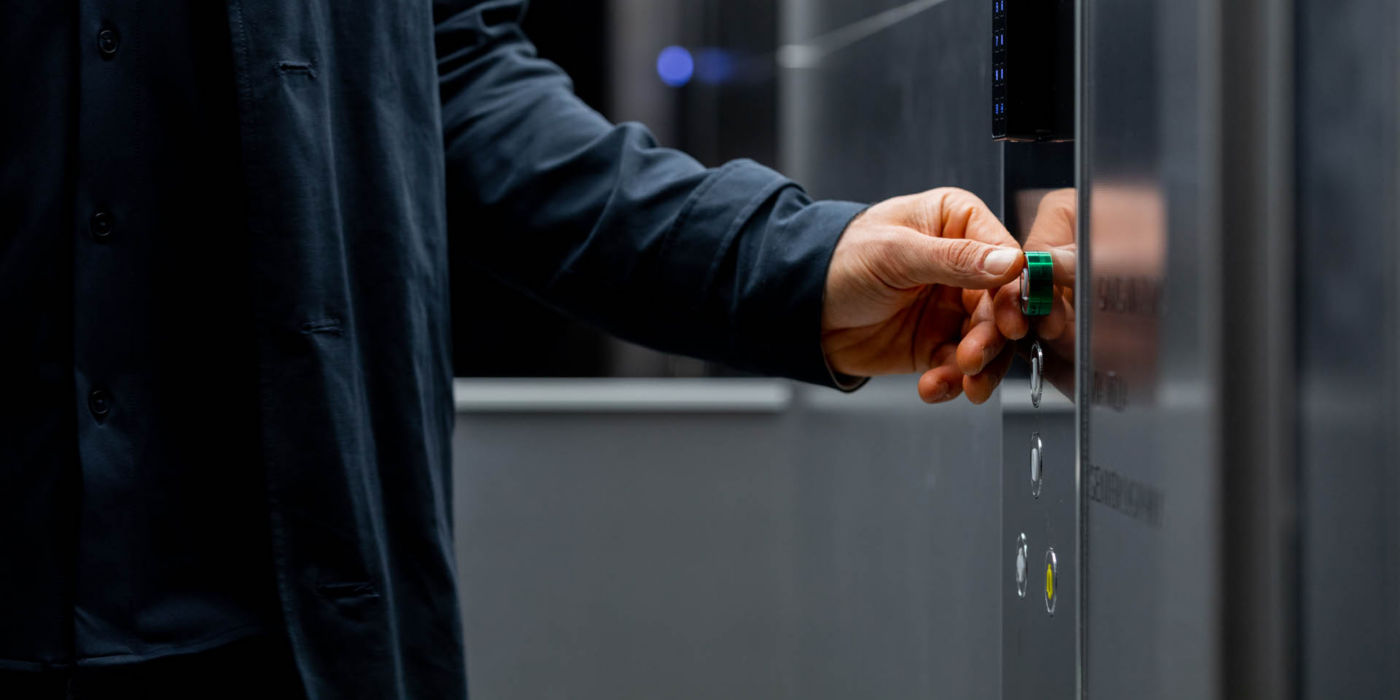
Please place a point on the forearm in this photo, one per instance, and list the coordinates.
(726, 263)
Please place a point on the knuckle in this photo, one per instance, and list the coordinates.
(964, 255)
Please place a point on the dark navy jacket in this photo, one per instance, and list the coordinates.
(375, 135)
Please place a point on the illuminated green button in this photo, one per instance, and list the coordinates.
(1037, 284)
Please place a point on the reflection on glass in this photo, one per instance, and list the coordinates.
(1048, 219)
(1129, 256)
(1052, 231)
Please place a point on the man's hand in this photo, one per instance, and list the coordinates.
(894, 295)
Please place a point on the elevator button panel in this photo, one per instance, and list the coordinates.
(1033, 112)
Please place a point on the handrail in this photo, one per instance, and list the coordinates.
(621, 395)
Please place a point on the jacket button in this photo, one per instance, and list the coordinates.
(107, 41)
(101, 225)
(100, 403)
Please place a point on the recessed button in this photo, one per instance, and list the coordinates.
(1037, 464)
(101, 225)
(100, 403)
(1022, 565)
(1037, 373)
(107, 42)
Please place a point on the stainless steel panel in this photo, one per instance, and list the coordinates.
(1040, 650)
(1189, 476)
(1149, 388)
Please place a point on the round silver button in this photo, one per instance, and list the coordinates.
(1022, 565)
(1037, 464)
(1037, 373)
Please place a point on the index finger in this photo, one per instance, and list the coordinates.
(964, 215)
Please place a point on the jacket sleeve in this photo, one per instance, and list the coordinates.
(728, 264)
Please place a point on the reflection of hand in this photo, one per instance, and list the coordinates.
(892, 292)
(1053, 232)
(995, 316)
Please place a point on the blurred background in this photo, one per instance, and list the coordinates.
(637, 525)
(701, 75)
(1221, 504)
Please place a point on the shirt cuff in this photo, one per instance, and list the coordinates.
(817, 227)
(768, 273)
(845, 382)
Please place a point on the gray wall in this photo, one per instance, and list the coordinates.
(843, 546)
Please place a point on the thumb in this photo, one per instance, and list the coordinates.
(957, 262)
(1064, 259)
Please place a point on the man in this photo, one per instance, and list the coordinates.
(223, 226)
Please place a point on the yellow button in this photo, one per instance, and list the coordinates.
(1049, 582)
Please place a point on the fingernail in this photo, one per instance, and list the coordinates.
(1000, 260)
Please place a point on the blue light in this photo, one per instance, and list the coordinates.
(713, 66)
(675, 66)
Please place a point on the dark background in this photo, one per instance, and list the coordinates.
(502, 333)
